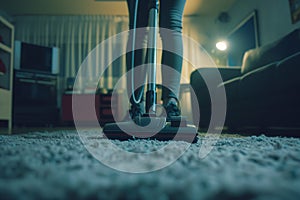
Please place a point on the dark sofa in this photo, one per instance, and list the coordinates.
(263, 93)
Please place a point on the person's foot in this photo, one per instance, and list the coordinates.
(172, 109)
(136, 111)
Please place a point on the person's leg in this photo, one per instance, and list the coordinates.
(171, 12)
(139, 54)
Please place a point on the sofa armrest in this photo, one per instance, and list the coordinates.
(229, 72)
(202, 75)
(206, 80)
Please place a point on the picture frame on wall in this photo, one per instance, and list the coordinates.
(295, 10)
(243, 37)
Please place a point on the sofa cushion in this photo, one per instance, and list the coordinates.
(276, 51)
(259, 83)
(288, 73)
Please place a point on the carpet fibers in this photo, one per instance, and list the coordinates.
(57, 165)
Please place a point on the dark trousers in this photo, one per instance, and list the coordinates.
(170, 17)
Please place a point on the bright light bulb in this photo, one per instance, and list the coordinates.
(222, 45)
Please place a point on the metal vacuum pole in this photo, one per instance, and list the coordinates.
(152, 43)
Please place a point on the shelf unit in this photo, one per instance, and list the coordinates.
(6, 73)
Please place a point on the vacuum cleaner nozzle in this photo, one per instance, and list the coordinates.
(156, 129)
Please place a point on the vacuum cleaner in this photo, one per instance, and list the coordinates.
(150, 126)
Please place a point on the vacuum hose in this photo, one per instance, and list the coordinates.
(135, 100)
(152, 42)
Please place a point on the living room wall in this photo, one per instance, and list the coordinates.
(274, 18)
(274, 21)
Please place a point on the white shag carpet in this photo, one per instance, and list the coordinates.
(56, 165)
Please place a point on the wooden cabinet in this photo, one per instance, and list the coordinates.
(34, 99)
(6, 73)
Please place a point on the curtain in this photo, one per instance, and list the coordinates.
(76, 37)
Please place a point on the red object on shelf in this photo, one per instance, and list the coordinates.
(85, 116)
(105, 106)
(2, 68)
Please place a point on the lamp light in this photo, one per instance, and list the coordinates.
(222, 45)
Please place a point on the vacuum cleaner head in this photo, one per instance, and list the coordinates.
(153, 128)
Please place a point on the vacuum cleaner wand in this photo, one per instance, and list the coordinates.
(151, 93)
